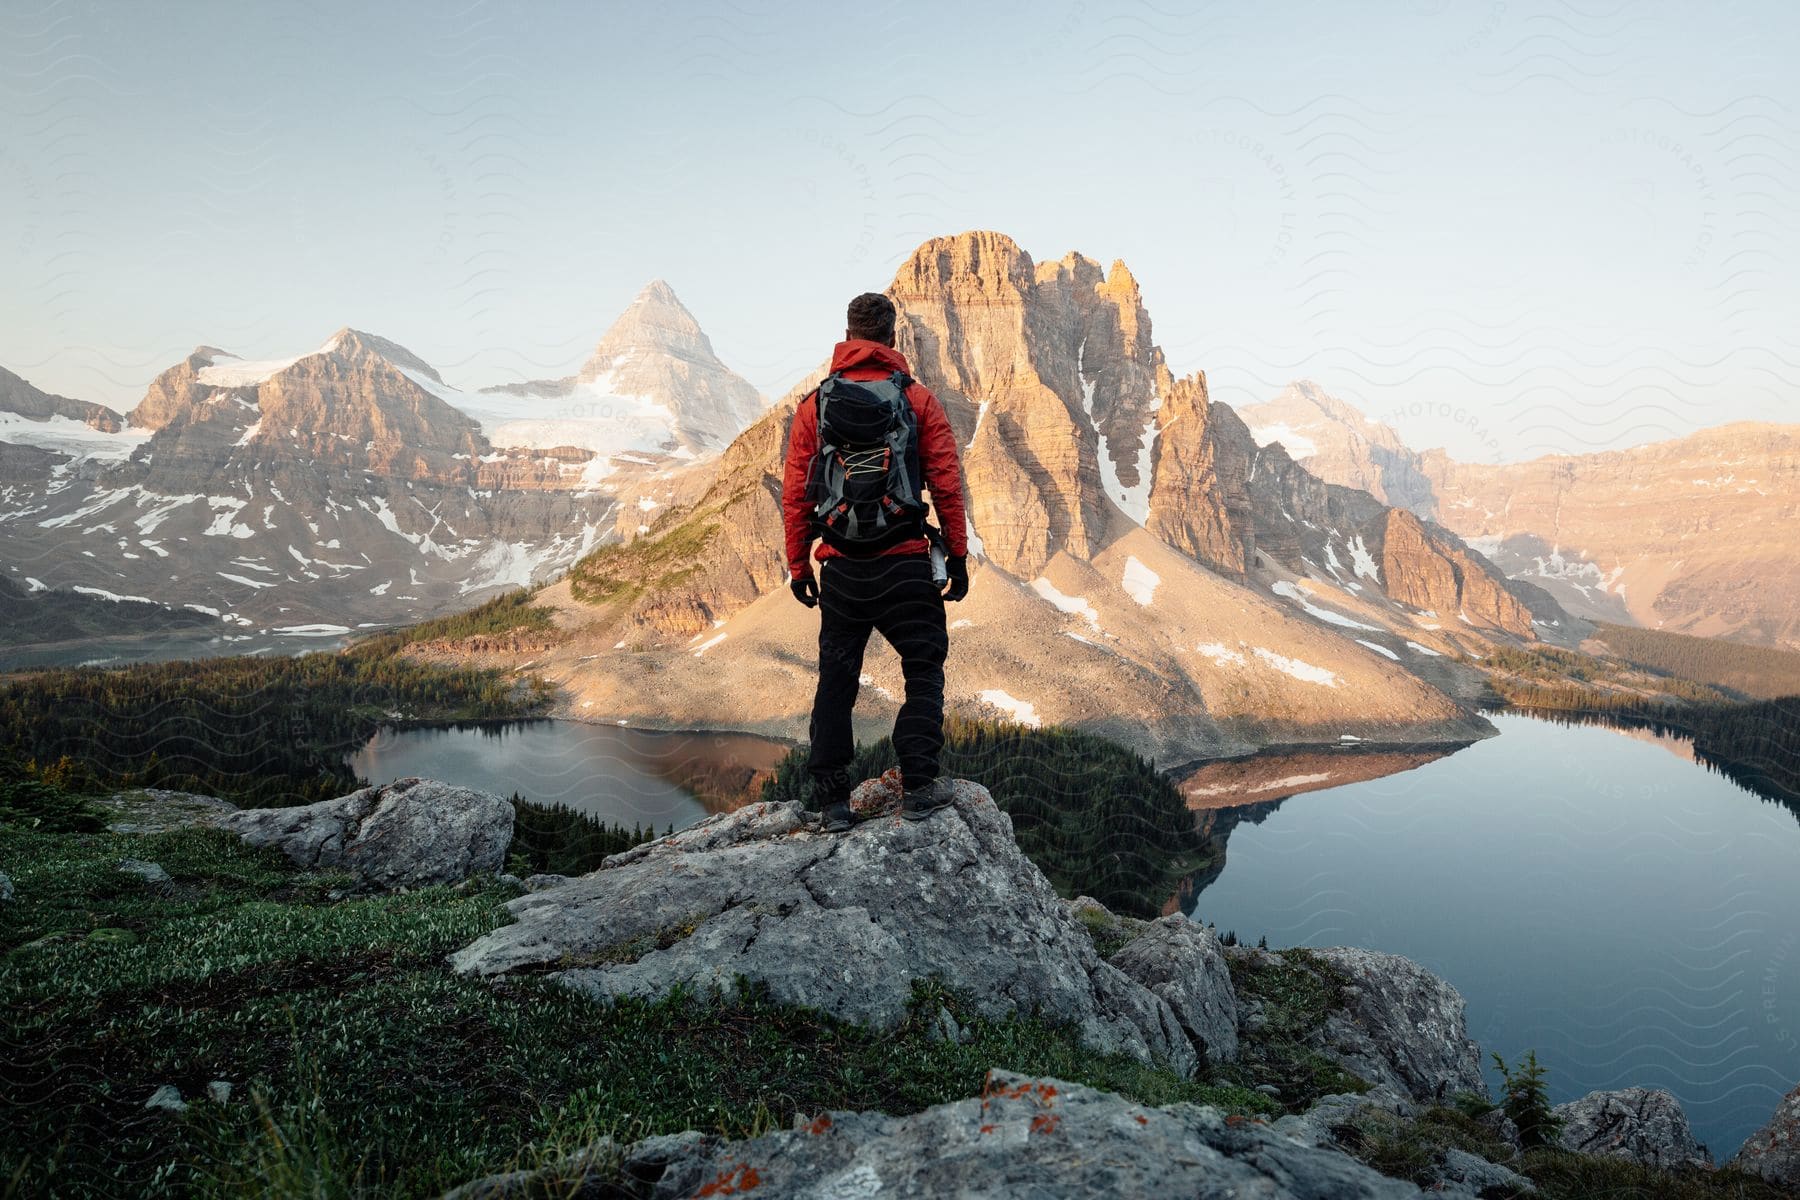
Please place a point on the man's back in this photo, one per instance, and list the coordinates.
(884, 585)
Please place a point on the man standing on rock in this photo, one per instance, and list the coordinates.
(863, 447)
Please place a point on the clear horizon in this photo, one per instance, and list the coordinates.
(1505, 230)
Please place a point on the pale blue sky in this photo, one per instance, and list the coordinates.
(1506, 227)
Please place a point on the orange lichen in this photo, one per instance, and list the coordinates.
(1142, 1119)
(735, 1179)
(987, 1129)
(1045, 1123)
(819, 1124)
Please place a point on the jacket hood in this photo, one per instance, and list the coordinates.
(859, 352)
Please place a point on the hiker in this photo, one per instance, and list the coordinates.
(860, 447)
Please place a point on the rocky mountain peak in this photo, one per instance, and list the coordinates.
(1341, 444)
(975, 263)
(655, 321)
(356, 346)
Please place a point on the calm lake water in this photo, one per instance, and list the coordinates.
(1595, 895)
(628, 776)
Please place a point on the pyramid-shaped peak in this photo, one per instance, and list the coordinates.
(658, 292)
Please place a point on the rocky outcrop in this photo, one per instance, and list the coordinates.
(1200, 498)
(18, 396)
(406, 834)
(1397, 1026)
(1237, 506)
(1182, 962)
(1643, 1125)
(1023, 1136)
(1422, 567)
(1773, 1151)
(842, 923)
(7, 894)
(1049, 372)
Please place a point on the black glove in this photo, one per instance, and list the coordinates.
(806, 590)
(957, 568)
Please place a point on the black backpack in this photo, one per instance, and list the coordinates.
(865, 478)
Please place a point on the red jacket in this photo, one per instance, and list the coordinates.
(861, 361)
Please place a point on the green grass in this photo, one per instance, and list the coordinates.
(509, 612)
(1409, 1149)
(1560, 1175)
(1297, 992)
(667, 555)
(361, 1066)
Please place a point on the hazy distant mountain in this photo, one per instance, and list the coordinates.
(1692, 535)
(20, 402)
(1143, 567)
(652, 384)
(1340, 445)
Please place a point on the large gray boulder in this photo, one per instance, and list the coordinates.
(1400, 1027)
(1773, 1151)
(1023, 1137)
(842, 923)
(1182, 962)
(1644, 1125)
(409, 833)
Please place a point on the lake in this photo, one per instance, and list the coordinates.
(623, 775)
(1595, 894)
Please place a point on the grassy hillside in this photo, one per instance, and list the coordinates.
(27, 618)
(1763, 672)
(360, 1066)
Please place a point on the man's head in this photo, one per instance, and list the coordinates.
(871, 318)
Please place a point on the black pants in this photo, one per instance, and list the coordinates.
(893, 594)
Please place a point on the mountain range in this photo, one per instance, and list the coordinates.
(1142, 567)
(1685, 535)
(350, 486)
(1148, 562)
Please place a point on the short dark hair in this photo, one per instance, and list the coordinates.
(870, 316)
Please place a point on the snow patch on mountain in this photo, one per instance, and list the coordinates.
(1288, 591)
(63, 435)
(1140, 581)
(1303, 671)
(1069, 604)
(1297, 444)
(229, 371)
(1022, 711)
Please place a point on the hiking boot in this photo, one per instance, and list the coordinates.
(921, 802)
(837, 816)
